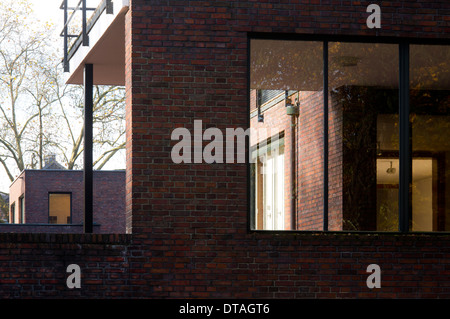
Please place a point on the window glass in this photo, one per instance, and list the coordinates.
(59, 208)
(286, 111)
(269, 185)
(286, 108)
(430, 127)
(363, 136)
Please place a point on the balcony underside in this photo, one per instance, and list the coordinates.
(106, 50)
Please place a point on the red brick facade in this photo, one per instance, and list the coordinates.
(36, 185)
(188, 223)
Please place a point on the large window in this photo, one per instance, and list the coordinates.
(372, 154)
(59, 208)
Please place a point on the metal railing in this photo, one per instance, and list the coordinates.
(83, 37)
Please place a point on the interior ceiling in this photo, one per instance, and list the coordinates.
(297, 65)
(430, 133)
(422, 168)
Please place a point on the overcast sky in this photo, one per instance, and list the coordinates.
(48, 10)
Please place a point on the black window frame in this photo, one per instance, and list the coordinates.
(405, 138)
(12, 211)
(60, 193)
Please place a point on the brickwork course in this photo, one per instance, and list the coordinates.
(187, 224)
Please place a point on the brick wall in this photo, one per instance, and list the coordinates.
(35, 185)
(335, 161)
(308, 265)
(35, 265)
(310, 162)
(194, 216)
(109, 201)
(16, 190)
(45, 228)
(186, 60)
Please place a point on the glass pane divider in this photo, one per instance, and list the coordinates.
(404, 139)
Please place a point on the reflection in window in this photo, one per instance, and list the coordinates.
(59, 208)
(430, 126)
(363, 136)
(269, 185)
(363, 158)
(285, 74)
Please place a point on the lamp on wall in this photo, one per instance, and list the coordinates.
(391, 170)
(291, 109)
(379, 152)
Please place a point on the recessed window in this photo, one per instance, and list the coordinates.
(13, 213)
(358, 179)
(60, 208)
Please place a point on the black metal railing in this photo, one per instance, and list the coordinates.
(82, 38)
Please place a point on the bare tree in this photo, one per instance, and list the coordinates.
(39, 114)
(22, 53)
(108, 121)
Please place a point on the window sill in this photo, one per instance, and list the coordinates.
(347, 233)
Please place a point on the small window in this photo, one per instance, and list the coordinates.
(60, 208)
(13, 213)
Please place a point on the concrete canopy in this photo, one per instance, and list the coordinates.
(106, 50)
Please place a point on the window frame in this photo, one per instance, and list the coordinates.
(405, 138)
(21, 212)
(70, 213)
(12, 211)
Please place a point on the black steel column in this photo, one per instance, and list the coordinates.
(404, 126)
(325, 136)
(66, 35)
(87, 171)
